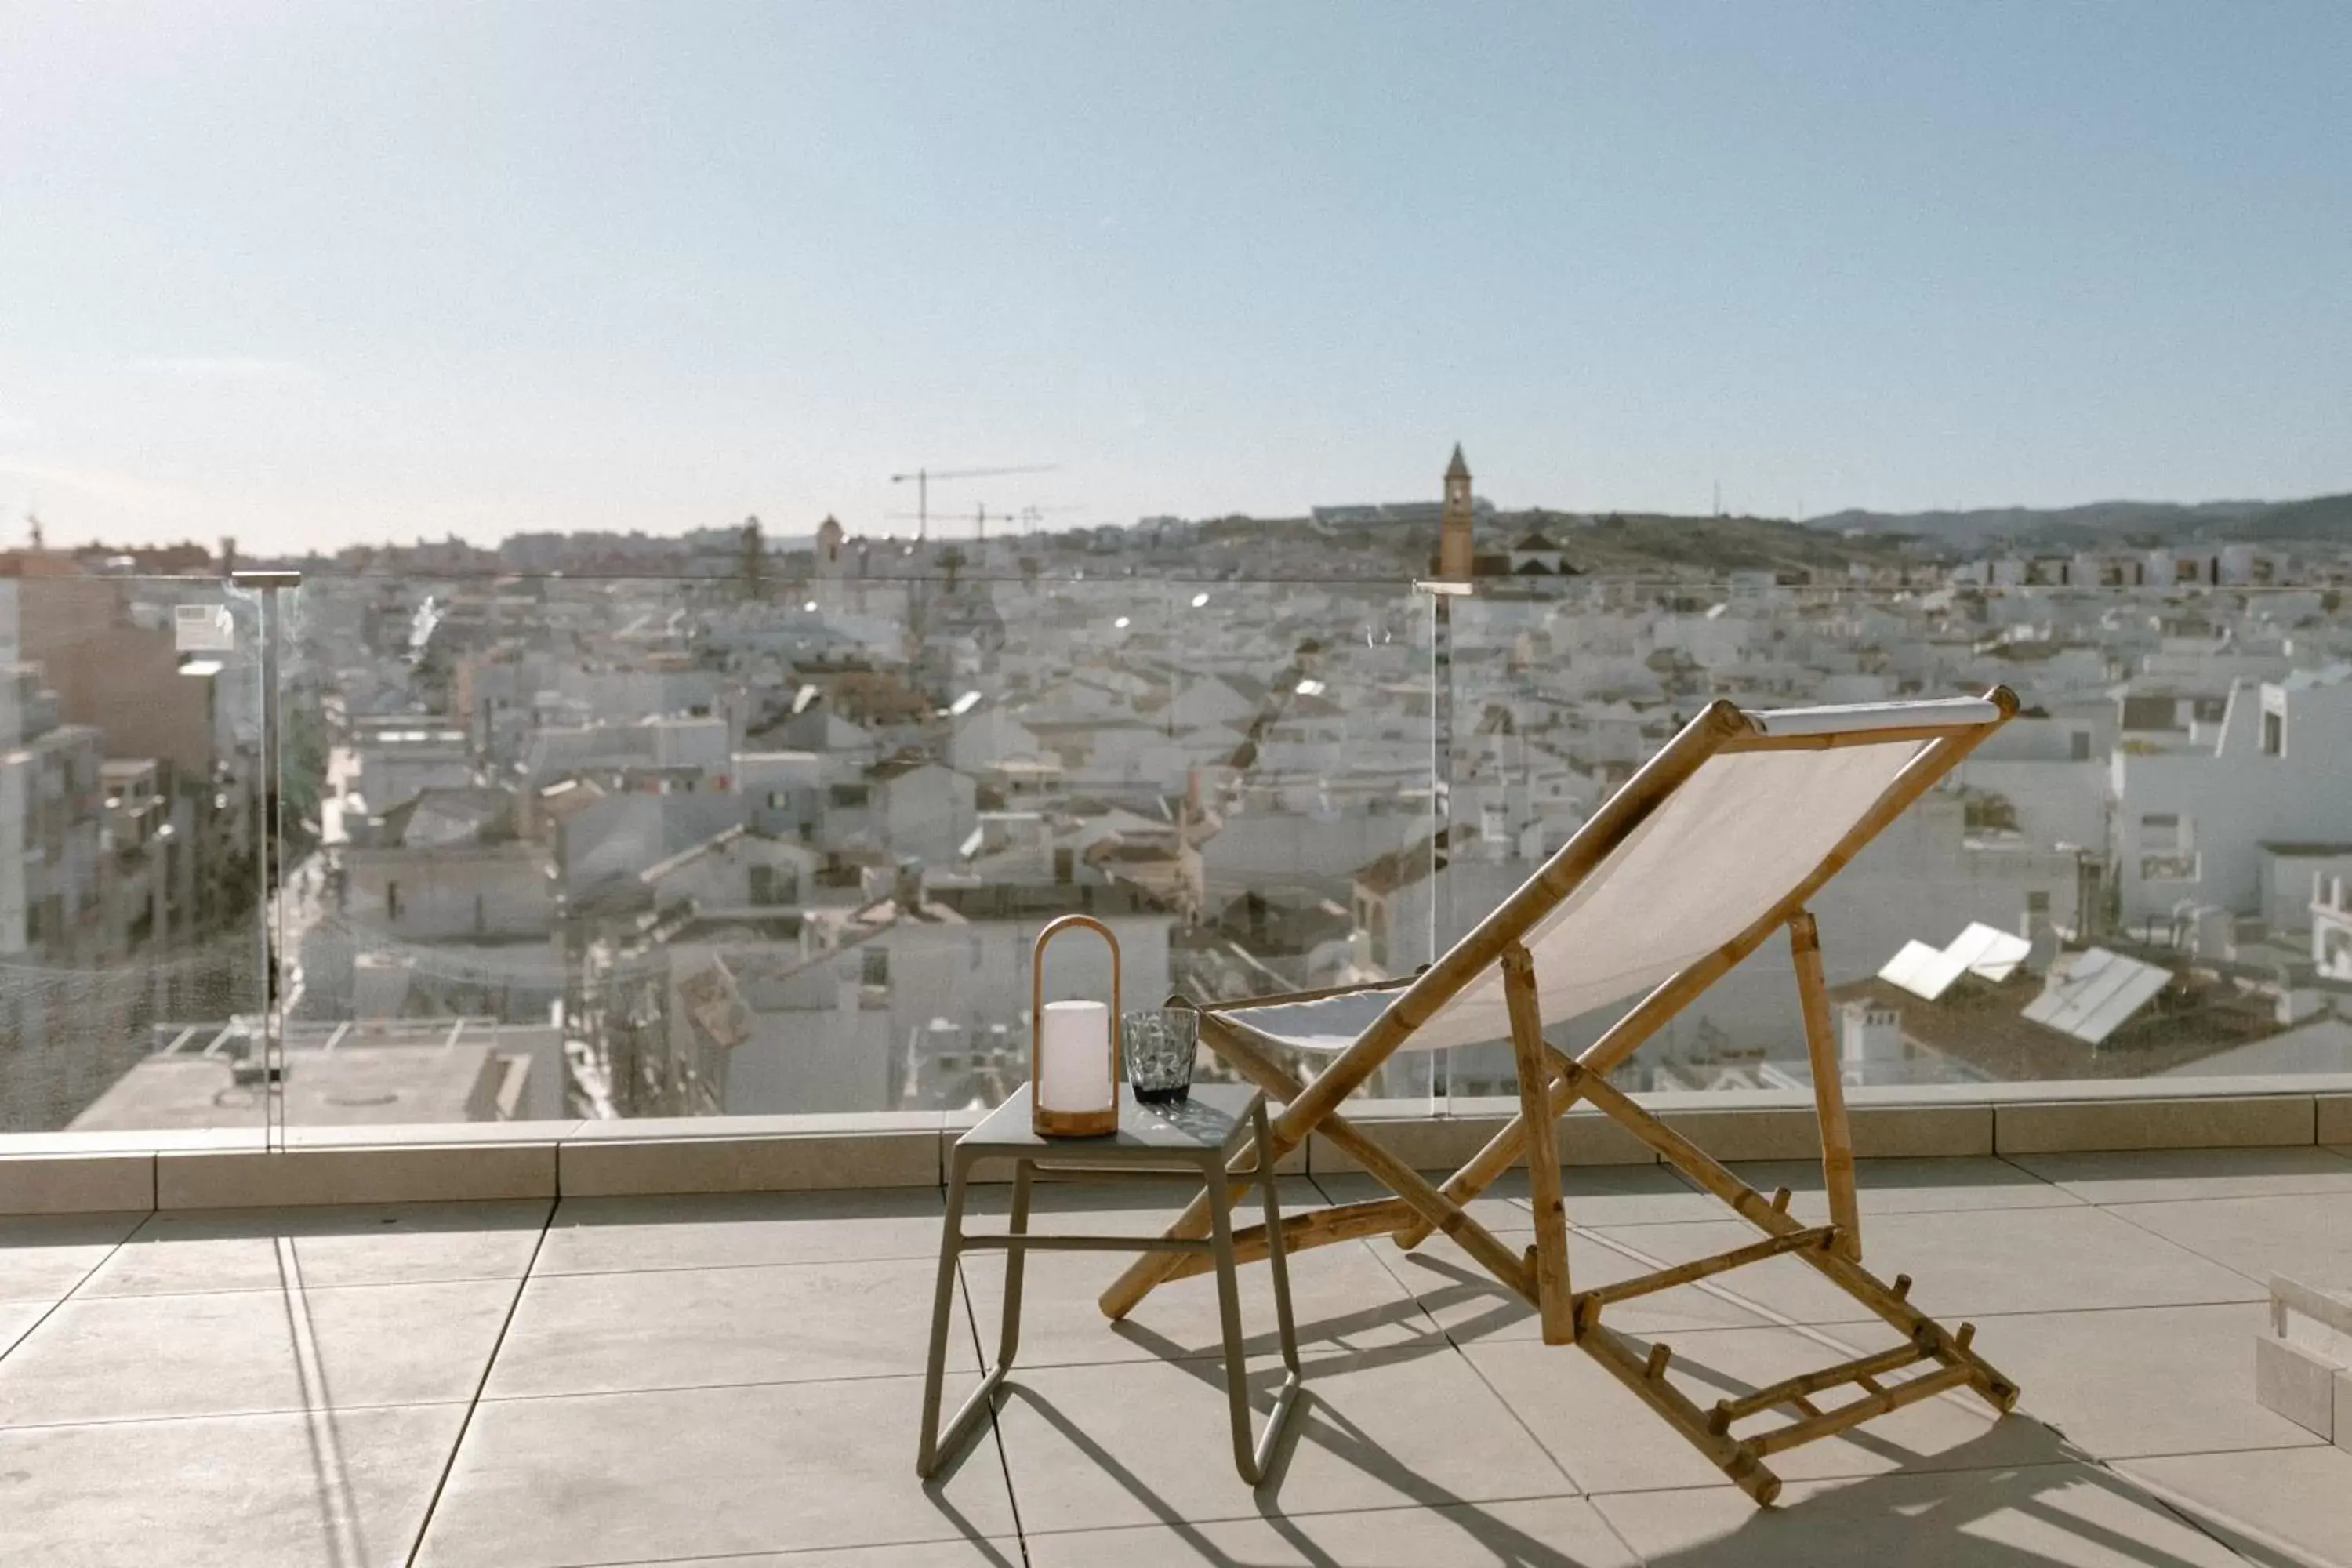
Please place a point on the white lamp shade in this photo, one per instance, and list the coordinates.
(1074, 1057)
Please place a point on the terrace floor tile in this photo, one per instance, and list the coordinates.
(245, 1352)
(707, 1472)
(1342, 1300)
(2144, 1380)
(722, 1230)
(693, 1328)
(348, 1488)
(2307, 1236)
(1149, 1443)
(375, 1244)
(2300, 1496)
(2166, 1175)
(43, 1257)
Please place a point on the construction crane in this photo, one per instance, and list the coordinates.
(923, 478)
(980, 516)
(1027, 517)
(1030, 516)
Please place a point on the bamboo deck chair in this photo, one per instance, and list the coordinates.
(1714, 844)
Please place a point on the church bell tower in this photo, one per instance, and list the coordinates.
(1454, 550)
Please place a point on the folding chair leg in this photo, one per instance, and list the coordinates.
(1645, 1376)
(1829, 1085)
(1752, 1205)
(1555, 1304)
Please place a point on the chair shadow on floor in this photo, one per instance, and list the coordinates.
(1976, 1504)
(1953, 1515)
(1315, 1422)
(1956, 1515)
(1324, 1338)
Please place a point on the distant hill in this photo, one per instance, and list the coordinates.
(1611, 543)
(2326, 518)
(2322, 517)
(1640, 541)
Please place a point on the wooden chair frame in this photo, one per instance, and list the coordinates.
(1552, 1081)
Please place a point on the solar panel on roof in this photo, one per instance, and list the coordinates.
(2090, 995)
(1988, 951)
(1929, 972)
(2145, 985)
(1925, 972)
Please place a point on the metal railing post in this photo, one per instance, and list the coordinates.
(272, 587)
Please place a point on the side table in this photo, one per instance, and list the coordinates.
(1196, 1138)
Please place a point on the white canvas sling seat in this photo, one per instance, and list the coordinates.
(1714, 844)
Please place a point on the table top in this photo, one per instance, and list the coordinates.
(1215, 1120)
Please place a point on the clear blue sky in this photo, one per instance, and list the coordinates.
(319, 271)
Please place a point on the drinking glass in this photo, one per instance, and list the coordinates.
(1158, 1044)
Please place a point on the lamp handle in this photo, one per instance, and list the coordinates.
(1037, 989)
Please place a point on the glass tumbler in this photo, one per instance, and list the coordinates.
(1158, 1044)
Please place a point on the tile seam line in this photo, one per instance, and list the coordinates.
(2254, 1300)
(968, 1298)
(2316, 1443)
(2245, 1301)
(2335, 1192)
(278, 1413)
(726, 1267)
(1413, 1349)
(788, 1555)
(488, 1397)
(1260, 1517)
(1457, 1507)
(465, 1422)
(1558, 1464)
(1868, 1214)
(2262, 1284)
(1411, 1297)
(281, 1289)
(2204, 1518)
(2177, 1505)
(34, 1326)
(1861, 1477)
(1590, 1497)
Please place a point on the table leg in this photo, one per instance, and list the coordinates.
(935, 1445)
(1250, 1460)
(1008, 1332)
(1277, 1260)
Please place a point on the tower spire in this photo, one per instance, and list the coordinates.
(1454, 549)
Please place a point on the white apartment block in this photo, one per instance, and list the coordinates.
(2190, 825)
